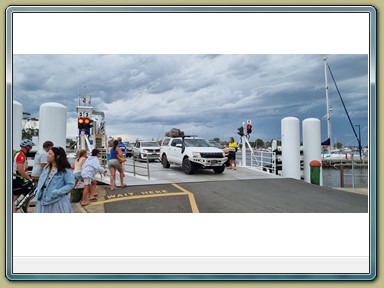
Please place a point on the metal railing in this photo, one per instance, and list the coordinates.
(353, 173)
(141, 168)
(263, 160)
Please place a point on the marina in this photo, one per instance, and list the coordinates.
(259, 185)
(282, 179)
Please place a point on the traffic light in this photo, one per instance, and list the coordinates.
(249, 129)
(80, 123)
(240, 131)
(87, 123)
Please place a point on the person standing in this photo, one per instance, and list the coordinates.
(20, 169)
(122, 146)
(40, 161)
(78, 166)
(90, 167)
(55, 183)
(232, 153)
(114, 165)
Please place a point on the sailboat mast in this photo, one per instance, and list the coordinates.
(328, 109)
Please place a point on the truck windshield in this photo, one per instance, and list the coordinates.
(196, 143)
(149, 144)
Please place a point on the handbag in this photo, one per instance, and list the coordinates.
(120, 157)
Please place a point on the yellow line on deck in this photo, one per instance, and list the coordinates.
(191, 197)
(137, 197)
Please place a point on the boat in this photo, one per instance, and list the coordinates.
(327, 151)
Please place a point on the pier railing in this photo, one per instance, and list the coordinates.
(264, 160)
(350, 169)
(139, 167)
(355, 174)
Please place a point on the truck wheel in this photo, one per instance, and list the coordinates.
(188, 166)
(165, 162)
(219, 169)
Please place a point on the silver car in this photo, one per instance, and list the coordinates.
(143, 150)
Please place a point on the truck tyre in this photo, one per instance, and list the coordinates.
(188, 166)
(164, 161)
(219, 169)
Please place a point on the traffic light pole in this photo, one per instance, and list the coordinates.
(84, 143)
(243, 151)
(245, 143)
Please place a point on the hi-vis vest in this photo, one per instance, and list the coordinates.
(232, 146)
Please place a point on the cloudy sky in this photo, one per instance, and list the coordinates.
(143, 96)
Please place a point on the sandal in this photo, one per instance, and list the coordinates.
(122, 186)
(84, 204)
(93, 199)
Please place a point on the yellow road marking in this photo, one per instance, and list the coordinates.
(191, 197)
(137, 197)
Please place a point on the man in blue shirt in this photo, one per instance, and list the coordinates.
(122, 146)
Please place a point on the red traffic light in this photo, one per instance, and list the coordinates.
(80, 120)
(249, 129)
(87, 121)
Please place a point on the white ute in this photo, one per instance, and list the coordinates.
(192, 153)
(146, 150)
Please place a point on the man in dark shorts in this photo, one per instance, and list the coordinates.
(20, 169)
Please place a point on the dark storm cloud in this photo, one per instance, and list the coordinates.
(209, 95)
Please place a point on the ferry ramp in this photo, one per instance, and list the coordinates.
(245, 190)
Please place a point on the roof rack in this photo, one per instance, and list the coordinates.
(175, 132)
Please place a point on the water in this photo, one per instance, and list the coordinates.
(331, 177)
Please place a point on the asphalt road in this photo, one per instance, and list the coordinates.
(281, 195)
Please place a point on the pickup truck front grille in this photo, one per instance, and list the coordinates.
(212, 155)
(153, 150)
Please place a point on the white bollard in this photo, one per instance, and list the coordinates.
(290, 142)
(53, 124)
(311, 146)
(17, 123)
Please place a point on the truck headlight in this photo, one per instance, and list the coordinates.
(145, 151)
(196, 154)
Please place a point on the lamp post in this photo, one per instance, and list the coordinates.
(358, 125)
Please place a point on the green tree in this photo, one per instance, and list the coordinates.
(338, 145)
(28, 133)
(29, 128)
(259, 143)
(71, 143)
